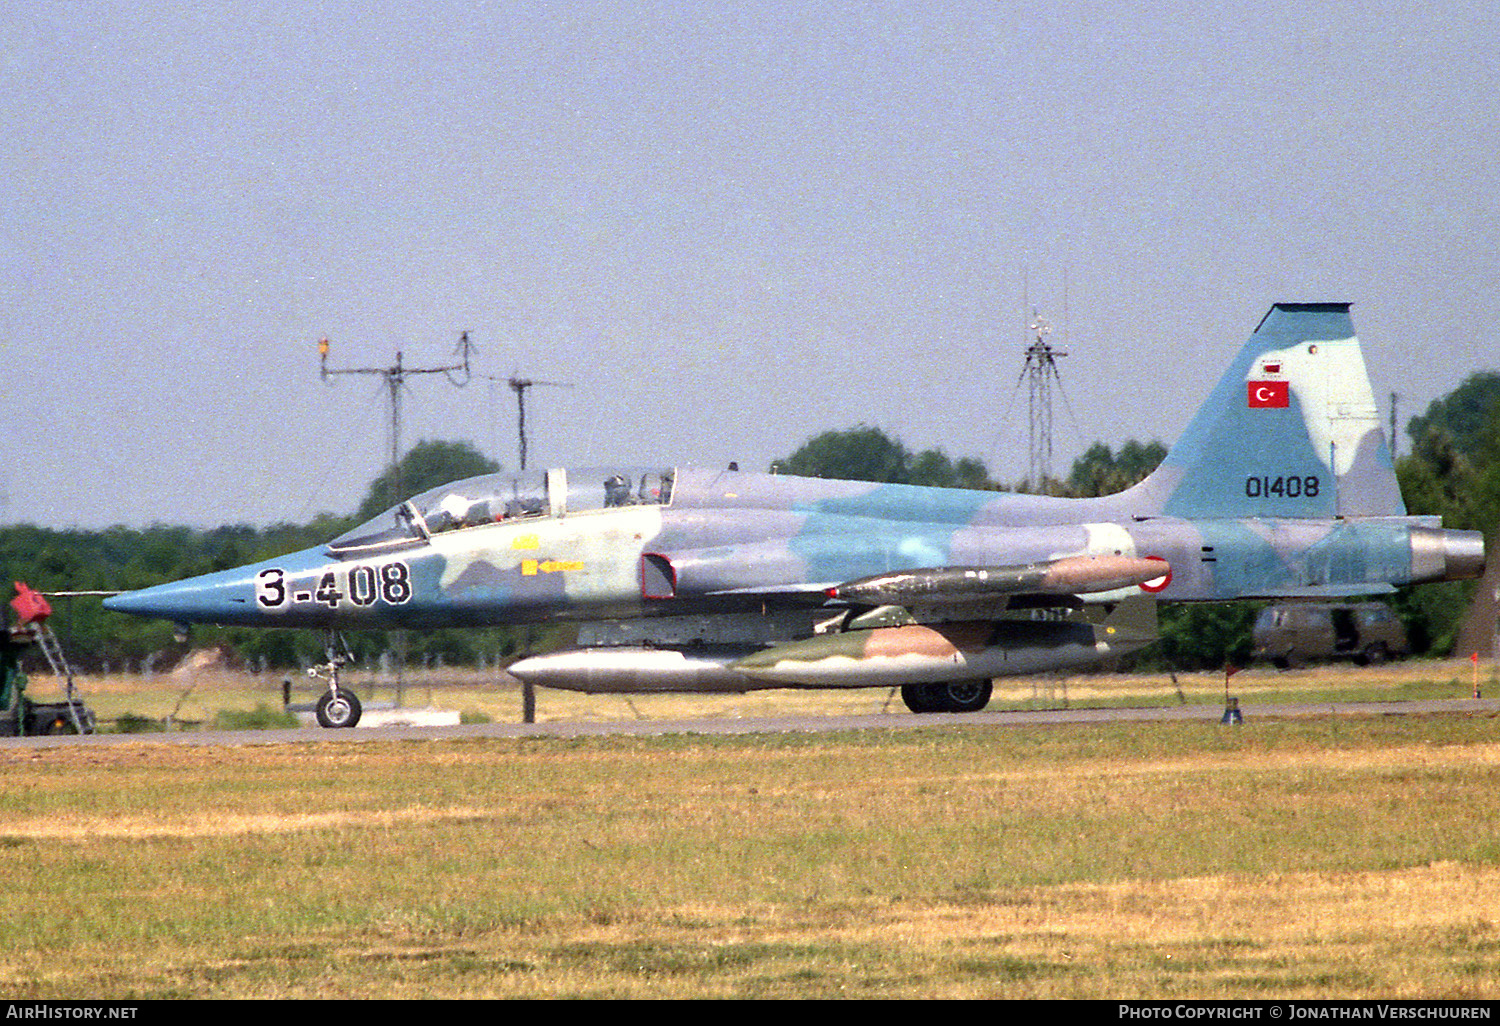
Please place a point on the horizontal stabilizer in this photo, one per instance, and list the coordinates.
(1071, 575)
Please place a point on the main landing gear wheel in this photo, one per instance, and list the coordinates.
(960, 696)
(338, 708)
(967, 696)
(920, 698)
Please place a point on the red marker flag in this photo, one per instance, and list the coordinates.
(1264, 395)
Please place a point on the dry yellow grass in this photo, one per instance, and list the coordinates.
(150, 827)
(1341, 858)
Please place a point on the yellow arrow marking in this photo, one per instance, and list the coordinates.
(531, 567)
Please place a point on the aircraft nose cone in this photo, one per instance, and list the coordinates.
(209, 599)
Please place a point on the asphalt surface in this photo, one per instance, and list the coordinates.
(767, 725)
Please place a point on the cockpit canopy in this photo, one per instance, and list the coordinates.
(493, 498)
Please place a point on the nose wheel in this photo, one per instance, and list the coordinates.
(339, 707)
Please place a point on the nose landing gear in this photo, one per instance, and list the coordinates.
(339, 707)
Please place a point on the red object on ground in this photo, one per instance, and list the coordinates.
(30, 606)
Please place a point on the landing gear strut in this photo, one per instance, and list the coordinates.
(339, 707)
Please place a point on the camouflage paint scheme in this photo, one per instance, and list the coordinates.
(700, 579)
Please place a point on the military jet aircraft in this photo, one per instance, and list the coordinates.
(708, 580)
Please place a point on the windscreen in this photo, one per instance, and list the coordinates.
(495, 498)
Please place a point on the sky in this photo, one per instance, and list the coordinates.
(727, 227)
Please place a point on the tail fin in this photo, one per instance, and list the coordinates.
(1291, 430)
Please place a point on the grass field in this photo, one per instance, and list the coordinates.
(199, 698)
(1346, 857)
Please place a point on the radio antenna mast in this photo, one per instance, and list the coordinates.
(520, 385)
(395, 376)
(458, 375)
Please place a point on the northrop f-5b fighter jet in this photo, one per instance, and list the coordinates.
(684, 579)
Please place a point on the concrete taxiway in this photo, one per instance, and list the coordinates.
(1209, 715)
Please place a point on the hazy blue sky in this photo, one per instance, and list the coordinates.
(732, 226)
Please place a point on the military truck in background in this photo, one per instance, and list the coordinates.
(1291, 633)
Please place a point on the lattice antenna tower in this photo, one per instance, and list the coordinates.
(458, 375)
(1040, 371)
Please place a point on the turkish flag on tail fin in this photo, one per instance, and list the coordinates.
(1266, 395)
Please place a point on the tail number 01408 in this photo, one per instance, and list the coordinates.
(362, 585)
(1282, 487)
